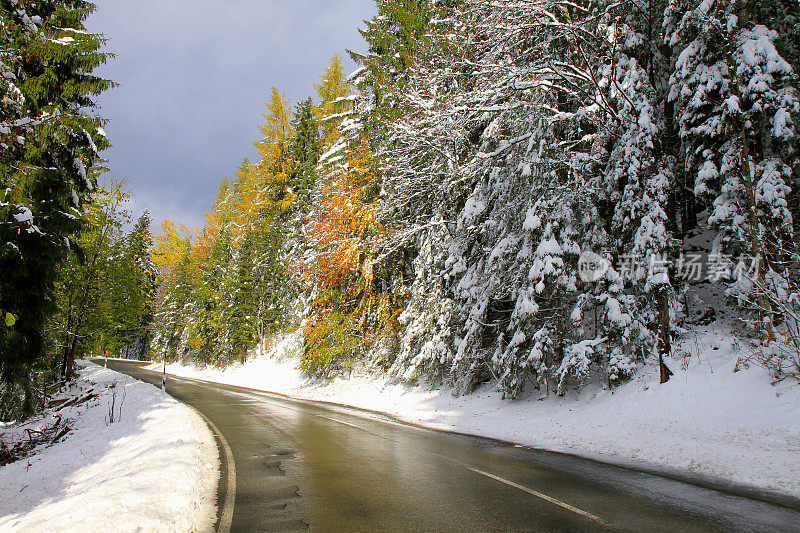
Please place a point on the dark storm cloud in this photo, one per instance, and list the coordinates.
(194, 78)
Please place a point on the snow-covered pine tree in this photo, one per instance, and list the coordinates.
(258, 291)
(520, 130)
(127, 285)
(138, 285)
(736, 99)
(49, 141)
(393, 38)
(205, 327)
(638, 180)
(174, 305)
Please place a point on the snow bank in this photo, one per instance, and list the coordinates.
(707, 419)
(154, 469)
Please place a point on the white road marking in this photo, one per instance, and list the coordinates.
(226, 516)
(341, 422)
(538, 495)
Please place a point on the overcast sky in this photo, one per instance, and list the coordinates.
(194, 78)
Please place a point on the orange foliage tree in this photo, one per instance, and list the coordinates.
(341, 222)
(343, 232)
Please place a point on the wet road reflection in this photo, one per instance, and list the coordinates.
(302, 465)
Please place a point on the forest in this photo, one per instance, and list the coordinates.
(503, 190)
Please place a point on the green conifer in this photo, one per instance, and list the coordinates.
(49, 144)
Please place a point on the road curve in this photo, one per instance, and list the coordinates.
(302, 465)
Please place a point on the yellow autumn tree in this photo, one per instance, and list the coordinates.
(273, 150)
(250, 197)
(339, 225)
(220, 216)
(170, 245)
(332, 91)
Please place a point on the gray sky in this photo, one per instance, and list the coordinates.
(195, 77)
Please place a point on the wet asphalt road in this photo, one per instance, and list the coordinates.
(304, 465)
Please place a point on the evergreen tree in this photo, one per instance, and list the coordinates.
(304, 152)
(174, 304)
(242, 303)
(204, 332)
(737, 101)
(130, 289)
(393, 36)
(258, 289)
(50, 143)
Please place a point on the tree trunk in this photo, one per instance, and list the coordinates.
(757, 248)
(69, 359)
(67, 338)
(689, 212)
(664, 342)
(662, 303)
(65, 357)
(28, 403)
(663, 369)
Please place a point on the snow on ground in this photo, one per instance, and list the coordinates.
(707, 419)
(155, 468)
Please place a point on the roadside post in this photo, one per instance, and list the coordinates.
(164, 375)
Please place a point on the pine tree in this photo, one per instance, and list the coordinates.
(50, 143)
(130, 288)
(174, 303)
(240, 288)
(212, 255)
(304, 152)
(393, 36)
(737, 100)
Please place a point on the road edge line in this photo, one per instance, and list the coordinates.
(225, 509)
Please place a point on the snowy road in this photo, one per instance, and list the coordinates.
(303, 465)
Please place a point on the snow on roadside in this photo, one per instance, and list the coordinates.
(153, 469)
(707, 419)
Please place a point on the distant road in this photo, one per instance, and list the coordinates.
(303, 465)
